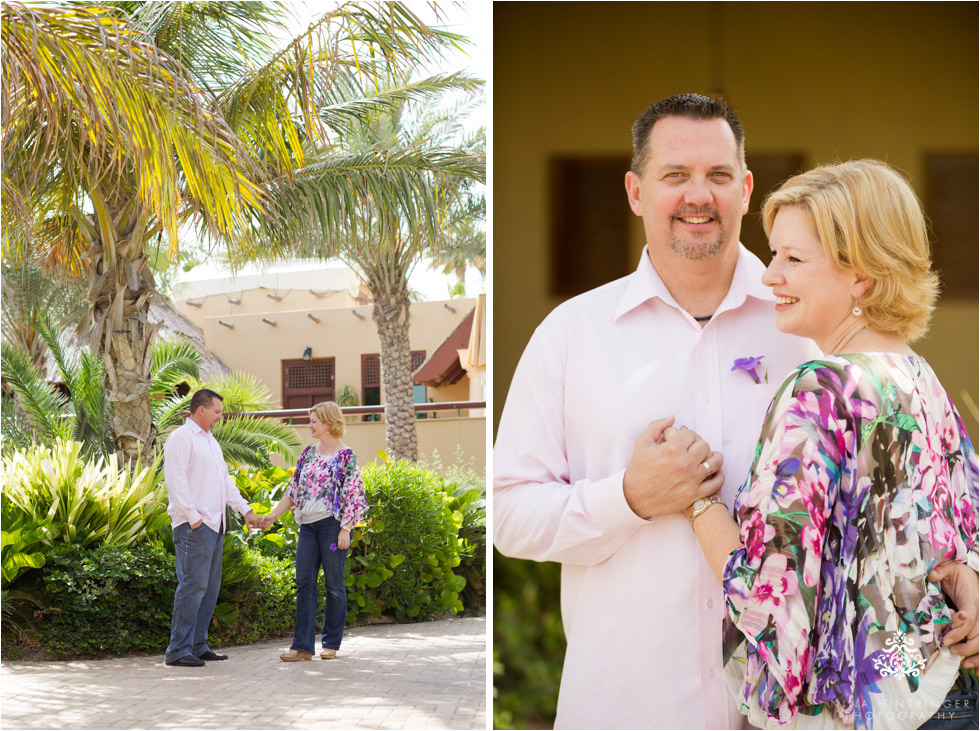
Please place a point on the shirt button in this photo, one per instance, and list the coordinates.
(710, 603)
(707, 399)
(711, 672)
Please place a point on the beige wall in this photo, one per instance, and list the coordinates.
(258, 348)
(831, 80)
(444, 435)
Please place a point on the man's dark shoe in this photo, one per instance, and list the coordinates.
(209, 655)
(187, 661)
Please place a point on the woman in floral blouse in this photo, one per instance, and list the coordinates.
(864, 480)
(327, 498)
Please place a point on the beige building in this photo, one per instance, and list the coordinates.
(305, 330)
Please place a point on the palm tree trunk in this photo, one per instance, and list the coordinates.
(391, 315)
(120, 285)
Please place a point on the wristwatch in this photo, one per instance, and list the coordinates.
(702, 504)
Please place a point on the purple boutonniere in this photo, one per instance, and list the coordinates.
(751, 366)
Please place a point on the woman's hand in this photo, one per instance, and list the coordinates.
(343, 540)
(959, 582)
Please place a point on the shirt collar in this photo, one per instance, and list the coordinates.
(645, 284)
(195, 427)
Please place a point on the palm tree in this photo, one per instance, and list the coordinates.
(125, 122)
(85, 416)
(382, 242)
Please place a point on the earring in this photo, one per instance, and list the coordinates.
(856, 311)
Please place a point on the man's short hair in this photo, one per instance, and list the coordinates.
(204, 397)
(690, 106)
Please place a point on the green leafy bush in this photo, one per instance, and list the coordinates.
(108, 601)
(257, 597)
(114, 601)
(402, 560)
(528, 643)
(56, 497)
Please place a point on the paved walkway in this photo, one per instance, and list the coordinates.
(425, 675)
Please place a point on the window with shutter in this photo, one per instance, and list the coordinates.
(306, 383)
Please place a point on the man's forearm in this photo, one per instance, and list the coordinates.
(582, 524)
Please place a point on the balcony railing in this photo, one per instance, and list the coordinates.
(359, 410)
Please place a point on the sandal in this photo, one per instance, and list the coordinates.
(327, 654)
(295, 655)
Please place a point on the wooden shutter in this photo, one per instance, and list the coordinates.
(307, 382)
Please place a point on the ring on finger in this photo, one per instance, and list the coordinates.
(707, 466)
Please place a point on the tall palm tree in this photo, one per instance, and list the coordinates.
(128, 121)
(382, 242)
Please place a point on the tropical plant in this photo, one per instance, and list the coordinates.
(27, 292)
(124, 122)
(65, 499)
(384, 242)
(42, 413)
(47, 415)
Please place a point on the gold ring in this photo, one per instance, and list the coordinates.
(706, 466)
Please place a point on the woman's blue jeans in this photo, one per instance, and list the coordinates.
(959, 710)
(313, 551)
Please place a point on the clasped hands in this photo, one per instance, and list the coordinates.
(669, 470)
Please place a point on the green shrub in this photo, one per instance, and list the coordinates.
(257, 597)
(108, 601)
(402, 560)
(56, 497)
(528, 643)
(114, 601)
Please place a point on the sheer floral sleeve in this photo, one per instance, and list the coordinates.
(862, 481)
(353, 502)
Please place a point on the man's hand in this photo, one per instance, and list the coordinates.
(252, 520)
(197, 524)
(959, 582)
(667, 471)
(265, 521)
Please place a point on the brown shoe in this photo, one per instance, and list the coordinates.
(327, 654)
(295, 656)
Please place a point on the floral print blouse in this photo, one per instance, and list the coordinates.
(864, 478)
(328, 484)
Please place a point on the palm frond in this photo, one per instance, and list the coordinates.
(43, 405)
(174, 360)
(251, 440)
(83, 88)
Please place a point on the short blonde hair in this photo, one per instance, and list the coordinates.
(330, 414)
(870, 221)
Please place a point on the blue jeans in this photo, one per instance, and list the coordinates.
(959, 710)
(313, 551)
(198, 580)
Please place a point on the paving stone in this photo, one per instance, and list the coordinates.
(425, 675)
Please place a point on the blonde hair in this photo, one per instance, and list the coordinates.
(870, 221)
(330, 414)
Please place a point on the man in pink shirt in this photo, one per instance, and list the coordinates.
(199, 487)
(580, 473)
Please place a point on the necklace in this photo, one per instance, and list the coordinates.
(702, 319)
(859, 332)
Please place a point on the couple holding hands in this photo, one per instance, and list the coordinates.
(326, 495)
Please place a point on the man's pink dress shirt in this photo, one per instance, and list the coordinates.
(642, 611)
(197, 478)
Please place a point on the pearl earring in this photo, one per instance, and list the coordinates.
(856, 311)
